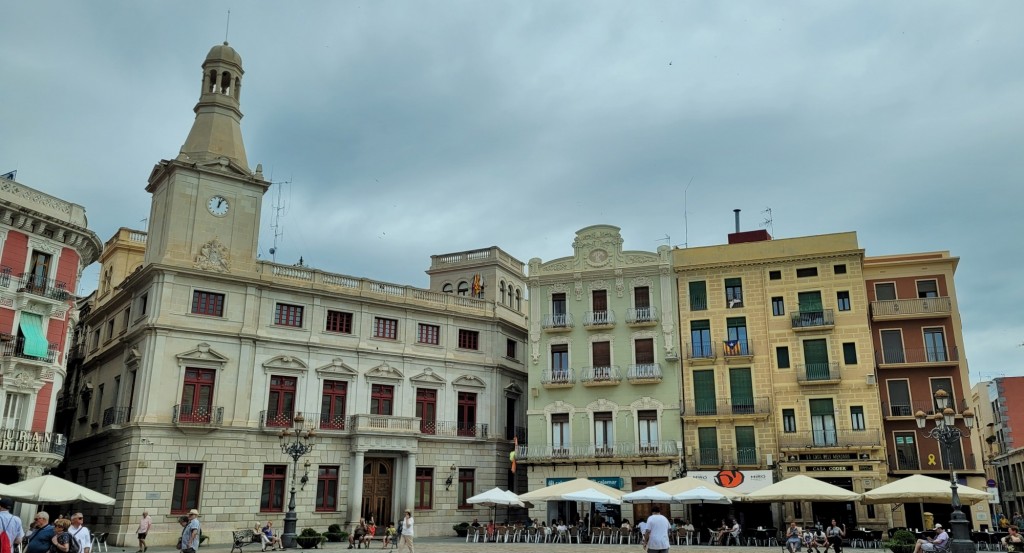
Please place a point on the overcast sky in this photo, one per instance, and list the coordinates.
(404, 129)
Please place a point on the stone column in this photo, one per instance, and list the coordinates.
(355, 488)
(26, 511)
(410, 486)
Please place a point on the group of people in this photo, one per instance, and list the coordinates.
(816, 538)
(63, 535)
(364, 531)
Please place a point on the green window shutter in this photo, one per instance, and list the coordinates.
(746, 449)
(35, 341)
(742, 391)
(733, 282)
(816, 359)
(704, 392)
(708, 440)
(809, 301)
(821, 407)
(700, 325)
(782, 357)
(698, 295)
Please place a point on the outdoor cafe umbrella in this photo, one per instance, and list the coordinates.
(494, 497)
(687, 483)
(922, 489)
(9, 492)
(590, 495)
(801, 488)
(650, 494)
(557, 492)
(53, 489)
(701, 495)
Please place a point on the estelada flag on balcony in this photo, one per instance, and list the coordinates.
(478, 285)
(732, 347)
(512, 454)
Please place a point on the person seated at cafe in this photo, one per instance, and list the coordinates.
(490, 531)
(1014, 541)
(793, 537)
(475, 523)
(734, 531)
(625, 525)
(818, 541)
(932, 544)
(358, 531)
(723, 531)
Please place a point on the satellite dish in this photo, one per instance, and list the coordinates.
(272, 250)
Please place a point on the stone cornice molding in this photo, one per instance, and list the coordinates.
(203, 356)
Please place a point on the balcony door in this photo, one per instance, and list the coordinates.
(816, 360)
(426, 409)
(281, 401)
(899, 398)
(197, 395)
(823, 422)
(892, 346)
(906, 451)
(600, 305)
(39, 269)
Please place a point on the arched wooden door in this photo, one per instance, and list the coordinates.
(378, 483)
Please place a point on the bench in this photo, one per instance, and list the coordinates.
(242, 538)
(378, 538)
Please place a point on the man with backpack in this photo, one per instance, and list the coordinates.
(80, 533)
(11, 528)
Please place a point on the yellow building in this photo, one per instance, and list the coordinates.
(778, 373)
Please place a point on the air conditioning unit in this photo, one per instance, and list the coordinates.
(870, 379)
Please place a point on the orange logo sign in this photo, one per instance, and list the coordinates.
(729, 478)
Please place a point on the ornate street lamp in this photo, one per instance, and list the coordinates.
(948, 434)
(295, 442)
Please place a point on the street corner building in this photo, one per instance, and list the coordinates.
(200, 361)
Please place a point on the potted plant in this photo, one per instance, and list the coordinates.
(902, 541)
(309, 538)
(461, 529)
(334, 534)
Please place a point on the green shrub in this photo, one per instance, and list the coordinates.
(309, 532)
(334, 528)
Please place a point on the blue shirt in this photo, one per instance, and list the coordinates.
(40, 540)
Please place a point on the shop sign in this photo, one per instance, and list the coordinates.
(830, 468)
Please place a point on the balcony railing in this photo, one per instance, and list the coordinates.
(747, 456)
(385, 423)
(116, 415)
(600, 376)
(909, 308)
(713, 456)
(558, 321)
(454, 428)
(644, 373)
(909, 409)
(328, 421)
(512, 432)
(813, 319)
(712, 407)
(818, 373)
(12, 440)
(905, 461)
(44, 287)
(641, 315)
(16, 348)
(277, 419)
(558, 378)
(737, 348)
(917, 356)
(5, 276)
(590, 451)
(599, 318)
(197, 415)
(700, 351)
(698, 304)
(830, 439)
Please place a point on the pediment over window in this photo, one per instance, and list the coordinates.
(385, 371)
(602, 404)
(337, 367)
(202, 356)
(559, 407)
(469, 381)
(428, 377)
(647, 403)
(133, 357)
(513, 389)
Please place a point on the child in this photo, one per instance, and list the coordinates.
(389, 535)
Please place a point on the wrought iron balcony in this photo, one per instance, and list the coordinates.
(914, 308)
(917, 356)
(698, 304)
(5, 276)
(701, 351)
(329, 422)
(712, 457)
(591, 451)
(836, 439)
(747, 456)
(905, 461)
(644, 373)
(277, 419)
(43, 287)
(600, 376)
(813, 320)
(818, 373)
(739, 348)
(116, 415)
(558, 378)
(639, 316)
(23, 441)
(712, 407)
(599, 319)
(454, 428)
(512, 432)
(898, 409)
(558, 322)
(16, 348)
(197, 415)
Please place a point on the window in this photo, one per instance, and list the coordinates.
(857, 418)
(288, 315)
(327, 488)
(501, 290)
(698, 296)
(469, 339)
(741, 390)
(14, 410)
(519, 300)
(110, 329)
(892, 346)
(736, 336)
(789, 420)
(648, 421)
(143, 304)
(906, 451)
(733, 292)
(642, 298)
(187, 477)
(839, 269)
(601, 359)
(816, 361)
(843, 300)
(704, 394)
(428, 334)
(807, 272)
(332, 405)
(850, 353)
(463, 288)
(510, 349)
(945, 384)
(559, 357)
(39, 273)
(599, 304)
(560, 433)
(281, 401)
(207, 303)
(197, 395)
(127, 317)
(447, 288)
(778, 306)
(823, 422)
(272, 496)
(466, 414)
(95, 338)
(382, 398)
(643, 351)
(339, 321)
(466, 479)
(603, 433)
(385, 328)
(424, 488)
(558, 316)
(426, 410)
(700, 338)
(707, 443)
(746, 448)
(899, 398)
(935, 345)
(927, 289)
(774, 275)
(885, 291)
(782, 357)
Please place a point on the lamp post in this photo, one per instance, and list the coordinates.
(948, 434)
(295, 442)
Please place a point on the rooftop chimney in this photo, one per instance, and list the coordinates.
(738, 237)
(737, 212)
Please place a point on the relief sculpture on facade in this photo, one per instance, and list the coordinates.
(213, 256)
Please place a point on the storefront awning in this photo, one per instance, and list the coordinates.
(35, 341)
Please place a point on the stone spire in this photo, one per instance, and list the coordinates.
(216, 132)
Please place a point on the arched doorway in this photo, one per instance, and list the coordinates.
(378, 482)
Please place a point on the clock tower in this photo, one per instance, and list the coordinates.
(206, 205)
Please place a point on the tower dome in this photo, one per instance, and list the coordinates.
(216, 132)
(225, 53)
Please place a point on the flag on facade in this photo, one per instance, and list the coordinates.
(512, 454)
(478, 285)
(732, 347)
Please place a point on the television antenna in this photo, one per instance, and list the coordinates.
(278, 208)
(686, 220)
(768, 222)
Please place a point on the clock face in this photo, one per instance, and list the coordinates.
(218, 206)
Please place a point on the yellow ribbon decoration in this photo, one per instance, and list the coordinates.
(931, 459)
